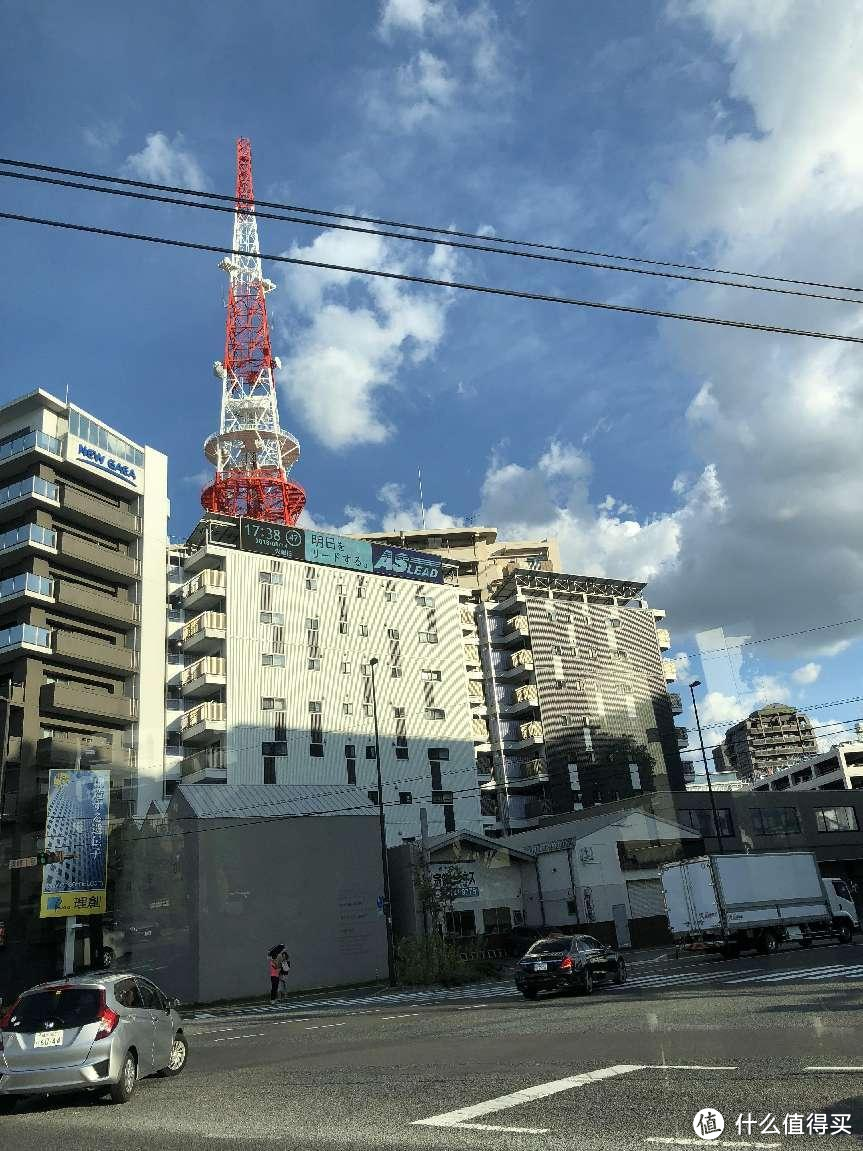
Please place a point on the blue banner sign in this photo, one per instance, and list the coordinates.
(338, 551)
(390, 561)
(76, 825)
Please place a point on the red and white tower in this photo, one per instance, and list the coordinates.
(251, 453)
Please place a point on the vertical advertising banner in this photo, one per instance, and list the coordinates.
(76, 824)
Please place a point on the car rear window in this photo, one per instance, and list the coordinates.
(63, 1006)
(550, 947)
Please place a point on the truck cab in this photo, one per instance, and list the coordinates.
(841, 901)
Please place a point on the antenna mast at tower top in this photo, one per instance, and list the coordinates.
(251, 453)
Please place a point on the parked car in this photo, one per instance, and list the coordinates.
(568, 963)
(100, 1032)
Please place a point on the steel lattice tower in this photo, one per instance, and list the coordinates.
(251, 453)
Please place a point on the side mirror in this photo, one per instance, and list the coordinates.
(175, 1004)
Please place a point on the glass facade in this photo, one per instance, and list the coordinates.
(96, 434)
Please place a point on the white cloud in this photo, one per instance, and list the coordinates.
(410, 15)
(426, 88)
(352, 337)
(683, 662)
(164, 161)
(776, 189)
(102, 136)
(806, 674)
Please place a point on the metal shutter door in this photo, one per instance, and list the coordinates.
(645, 898)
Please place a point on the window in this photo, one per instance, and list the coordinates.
(346, 667)
(316, 750)
(367, 710)
(312, 623)
(350, 751)
(311, 583)
(127, 994)
(314, 665)
(276, 617)
(389, 596)
(269, 660)
(405, 797)
(431, 675)
(370, 751)
(392, 633)
(438, 753)
(428, 637)
(269, 769)
(347, 709)
(373, 796)
(402, 752)
(496, 920)
(395, 672)
(272, 703)
(351, 765)
(279, 747)
(441, 797)
(364, 629)
(316, 706)
(460, 923)
(701, 820)
(361, 590)
(271, 577)
(836, 819)
(398, 713)
(343, 628)
(776, 821)
(435, 713)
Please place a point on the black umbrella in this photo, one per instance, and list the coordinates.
(277, 950)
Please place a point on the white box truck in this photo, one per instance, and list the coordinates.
(736, 902)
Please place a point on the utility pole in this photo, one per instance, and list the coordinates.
(697, 683)
(71, 920)
(424, 842)
(391, 958)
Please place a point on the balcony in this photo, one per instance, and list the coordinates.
(205, 590)
(676, 703)
(664, 638)
(669, 670)
(480, 730)
(28, 443)
(529, 773)
(468, 622)
(515, 603)
(22, 638)
(41, 540)
(205, 633)
(83, 602)
(28, 587)
(92, 511)
(204, 677)
(516, 630)
(524, 699)
(31, 492)
(471, 656)
(63, 750)
(86, 703)
(204, 767)
(88, 556)
(527, 814)
(530, 735)
(521, 667)
(682, 735)
(204, 723)
(90, 654)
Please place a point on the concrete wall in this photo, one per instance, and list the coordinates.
(311, 884)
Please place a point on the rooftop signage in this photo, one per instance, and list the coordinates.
(338, 551)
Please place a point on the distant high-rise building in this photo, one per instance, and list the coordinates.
(768, 739)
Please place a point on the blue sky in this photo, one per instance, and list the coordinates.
(719, 466)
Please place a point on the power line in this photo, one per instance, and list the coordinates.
(436, 241)
(430, 229)
(484, 289)
(805, 709)
(773, 638)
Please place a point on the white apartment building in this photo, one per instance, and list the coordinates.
(839, 769)
(269, 677)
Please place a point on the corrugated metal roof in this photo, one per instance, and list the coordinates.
(268, 801)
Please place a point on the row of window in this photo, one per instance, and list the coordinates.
(770, 820)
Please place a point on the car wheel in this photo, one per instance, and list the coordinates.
(845, 933)
(806, 941)
(108, 957)
(587, 982)
(179, 1055)
(730, 951)
(620, 974)
(7, 1102)
(123, 1090)
(768, 944)
(529, 992)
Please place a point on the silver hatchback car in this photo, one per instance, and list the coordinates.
(98, 1032)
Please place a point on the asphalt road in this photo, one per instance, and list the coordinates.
(627, 1068)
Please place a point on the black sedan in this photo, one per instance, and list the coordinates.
(568, 963)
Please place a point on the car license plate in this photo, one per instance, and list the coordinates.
(48, 1039)
(540, 967)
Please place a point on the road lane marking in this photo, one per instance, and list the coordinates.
(407, 1015)
(527, 1095)
(857, 1069)
(494, 1127)
(689, 1067)
(233, 1038)
(323, 1026)
(824, 972)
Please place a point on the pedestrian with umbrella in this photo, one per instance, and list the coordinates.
(275, 971)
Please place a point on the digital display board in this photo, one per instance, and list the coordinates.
(76, 825)
(333, 550)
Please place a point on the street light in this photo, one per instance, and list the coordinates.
(697, 683)
(391, 964)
